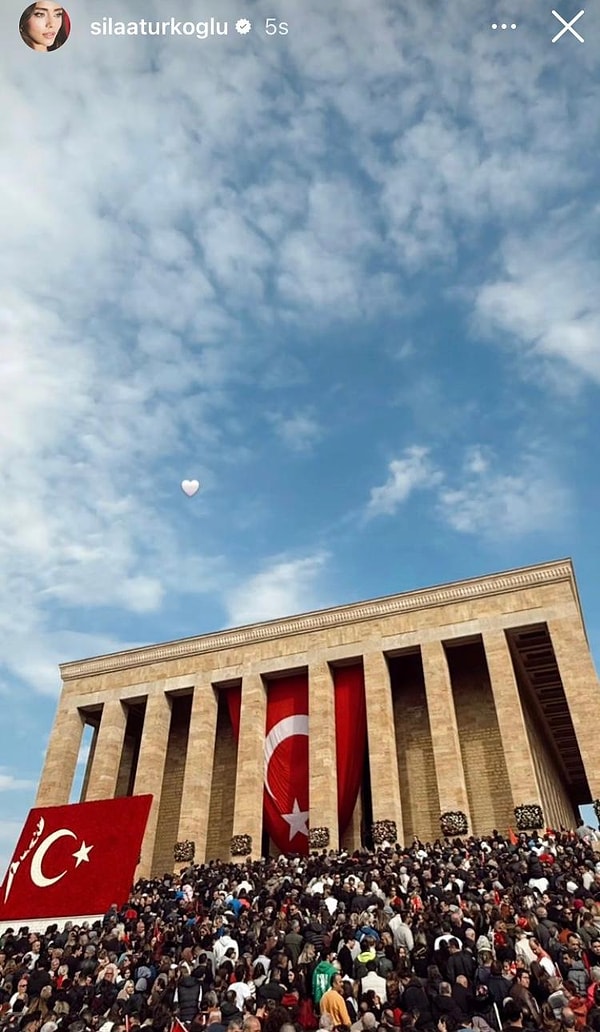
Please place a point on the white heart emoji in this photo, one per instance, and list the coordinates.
(190, 487)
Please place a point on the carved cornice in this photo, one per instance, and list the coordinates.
(447, 594)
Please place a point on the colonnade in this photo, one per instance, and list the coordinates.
(574, 665)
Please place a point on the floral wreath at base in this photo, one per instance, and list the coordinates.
(529, 816)
(241, 845)
(318, 838)
(184, 852)
(384, 831)
(454, 822)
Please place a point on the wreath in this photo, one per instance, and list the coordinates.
(184, 852)
(241, 845)
(384, 831)
(454, 822)
(529, 816)
(318, 838)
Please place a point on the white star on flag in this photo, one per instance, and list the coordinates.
(82, 855)
(297, 820)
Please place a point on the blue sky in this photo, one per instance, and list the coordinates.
(347, 278)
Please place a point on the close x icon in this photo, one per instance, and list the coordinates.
(567, 26)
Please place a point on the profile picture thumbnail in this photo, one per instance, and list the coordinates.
(44, 25)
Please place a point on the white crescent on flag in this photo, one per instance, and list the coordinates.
(297, 724)
(37, 876)
(286, 728)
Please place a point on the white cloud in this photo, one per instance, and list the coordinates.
(545, 298)
(413, 472)
(476, 461)
(299, 431)
(285, 587)
(36, 652)
(481, 498)
(10, 783)
(326, 261)
(496, 504)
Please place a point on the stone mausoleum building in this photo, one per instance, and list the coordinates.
(469, 706)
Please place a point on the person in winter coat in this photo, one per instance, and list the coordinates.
(189, 997)
(137, 1001)
(483, 1008)
(445, 1006)
(416, 1001)
(463, 996)
(105, 993)
(315, 933)
(545, 930)
(498, 986)
(521, 992)
(348, 951)
(460, 962)
(294, 942)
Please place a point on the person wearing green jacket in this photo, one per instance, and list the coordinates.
(321, 979)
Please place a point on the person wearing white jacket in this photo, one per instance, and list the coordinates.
(222, 944)
(523, 950)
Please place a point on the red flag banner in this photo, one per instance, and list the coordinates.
(350, 737)
(286, 764)
(233, 698)
(74, 860)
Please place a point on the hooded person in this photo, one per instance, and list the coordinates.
(322, 975)
(367, 955)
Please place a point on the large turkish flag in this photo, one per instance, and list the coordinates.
(286, 764)
(286, 794)
(75, 860)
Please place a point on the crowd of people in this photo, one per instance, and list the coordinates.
(481, 934)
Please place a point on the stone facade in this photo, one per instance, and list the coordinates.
(478, 695)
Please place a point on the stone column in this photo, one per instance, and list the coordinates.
(197, 778)
(352, 837)
(322, 757)
(522, 775)
(452, 787)
(150, 769)
(62, 753)
(580, 683)
(250, 774)
(89, 762)
(381, 731)
(108, 747)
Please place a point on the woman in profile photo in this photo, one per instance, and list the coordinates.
(44, 25)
